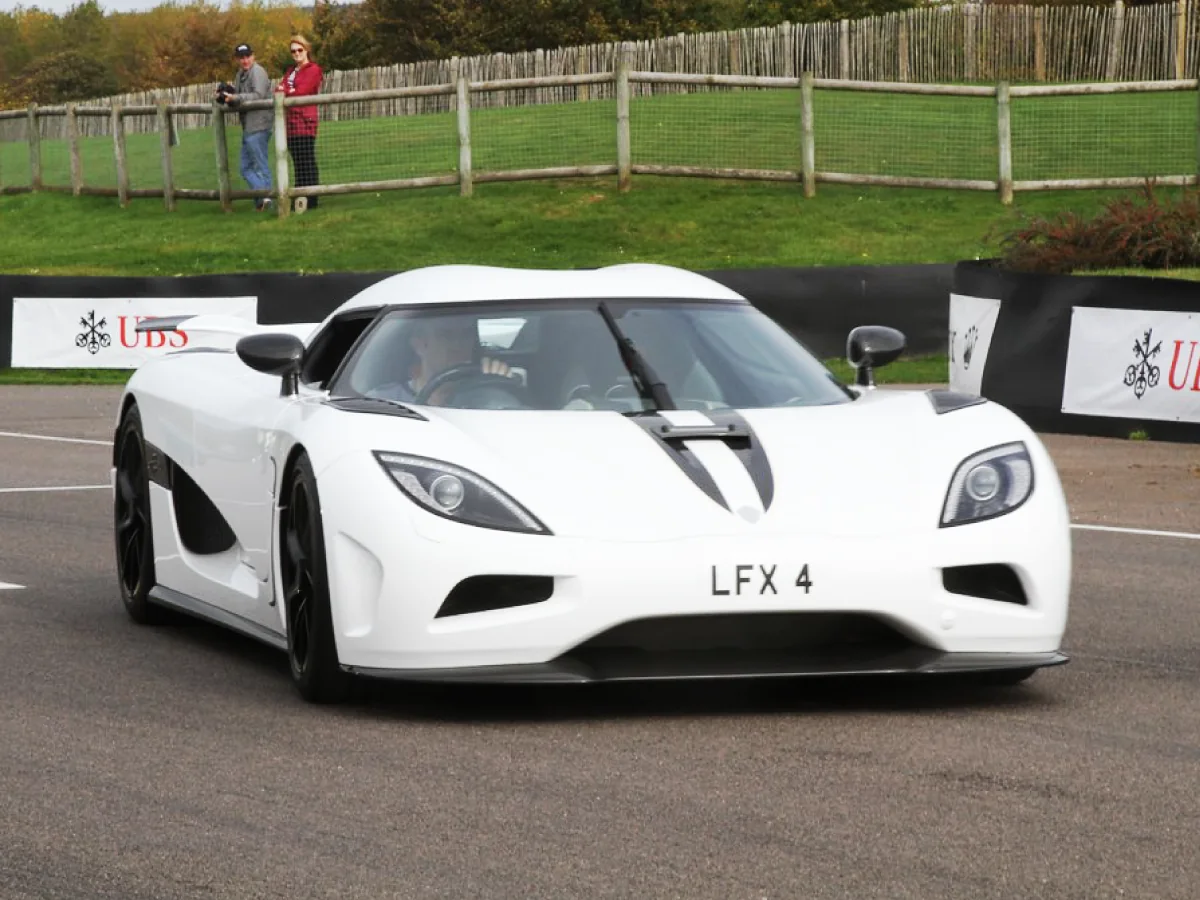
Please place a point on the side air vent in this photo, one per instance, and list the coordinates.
(988, 582)
(202, 528)
(480, 593)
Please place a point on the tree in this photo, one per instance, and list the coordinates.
(340, 36)
(773, 12)
(83, 28)
(14, 55)
(65, 76)
(400, 31)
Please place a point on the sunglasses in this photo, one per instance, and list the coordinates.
(299, 50)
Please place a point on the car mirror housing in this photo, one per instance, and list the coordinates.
(870, 346)
(274, 354)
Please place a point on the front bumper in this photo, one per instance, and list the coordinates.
(392, 565)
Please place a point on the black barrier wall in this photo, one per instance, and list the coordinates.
(818, 305)
(1027, 360)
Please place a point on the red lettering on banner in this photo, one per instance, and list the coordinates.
(124, 342)
(1186, 369)
(154, 339)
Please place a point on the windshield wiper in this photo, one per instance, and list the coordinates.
(647, 382)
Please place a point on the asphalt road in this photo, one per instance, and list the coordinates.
(178, 762)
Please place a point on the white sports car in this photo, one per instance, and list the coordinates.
(480, 474)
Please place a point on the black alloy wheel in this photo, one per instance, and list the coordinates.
(131, 522)
(312, 649)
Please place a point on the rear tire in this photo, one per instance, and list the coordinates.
(312, 648)
(132, 530)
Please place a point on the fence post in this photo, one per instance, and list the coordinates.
(808, 141)
(844, 49)
(35, 149)
(969, 46)
(624, 148)
(73, 146)
(118, 130)
(1039, 43)
(905, 18)
(465, 186)
(1118, 37)
(222, 151)
(168, 166)
(583, 92)
(282, 200)
(1181, 38)
(1004, 133)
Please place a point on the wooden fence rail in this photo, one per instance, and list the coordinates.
(625, 83)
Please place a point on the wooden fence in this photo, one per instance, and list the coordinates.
(949, 44)
(624, 83)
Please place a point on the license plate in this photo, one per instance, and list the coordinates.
(755, 579)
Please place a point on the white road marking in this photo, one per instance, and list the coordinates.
(46, 437)
(1141, 531)
(5, 586)
(57, 487)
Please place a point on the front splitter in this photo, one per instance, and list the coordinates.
(641, 666)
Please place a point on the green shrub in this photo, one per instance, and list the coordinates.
(1142, 231)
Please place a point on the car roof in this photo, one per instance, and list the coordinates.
(478, 284)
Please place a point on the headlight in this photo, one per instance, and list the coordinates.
(989, 484)
(457, 493)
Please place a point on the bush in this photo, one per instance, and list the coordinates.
(1140, 231)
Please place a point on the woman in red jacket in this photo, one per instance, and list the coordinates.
(304, 77)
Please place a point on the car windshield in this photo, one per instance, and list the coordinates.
(587, 355)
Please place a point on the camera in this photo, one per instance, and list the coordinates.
(224, 88)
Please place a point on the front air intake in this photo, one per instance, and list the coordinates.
(481, 593)
(741, 644)
(988, 582)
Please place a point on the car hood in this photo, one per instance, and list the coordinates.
(877, 465)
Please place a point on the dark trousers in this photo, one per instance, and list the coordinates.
(303, 148)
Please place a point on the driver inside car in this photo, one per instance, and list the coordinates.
(445, 343)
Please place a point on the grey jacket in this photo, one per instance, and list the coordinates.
(253, 84)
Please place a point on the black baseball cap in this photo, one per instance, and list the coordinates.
(243, 50)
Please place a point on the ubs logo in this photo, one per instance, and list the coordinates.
(93, 338)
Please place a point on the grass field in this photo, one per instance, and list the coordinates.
(1179, 274)
(907, 135)
(693, 223)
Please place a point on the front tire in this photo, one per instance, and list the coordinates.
(132, 529)
(312, 649)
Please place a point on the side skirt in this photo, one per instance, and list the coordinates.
(183, 603)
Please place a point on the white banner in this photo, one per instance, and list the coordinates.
(1133, 364)
(81, 333)
(972, 322)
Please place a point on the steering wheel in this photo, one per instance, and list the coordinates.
(469, 375)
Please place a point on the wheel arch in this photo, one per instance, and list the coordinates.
(286, 473)
(289, 464)
(127, 402)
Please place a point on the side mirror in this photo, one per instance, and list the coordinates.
(870, 346)
(274, 354)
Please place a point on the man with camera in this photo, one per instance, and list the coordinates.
(251, 83)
